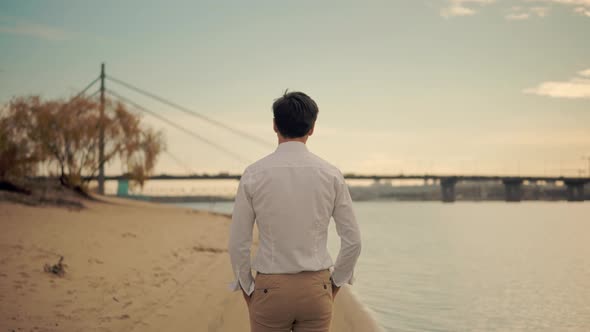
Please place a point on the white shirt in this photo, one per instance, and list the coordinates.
(291, 195)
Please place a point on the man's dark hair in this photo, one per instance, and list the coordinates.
(295, 113)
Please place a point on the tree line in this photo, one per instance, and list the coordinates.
(60, 138)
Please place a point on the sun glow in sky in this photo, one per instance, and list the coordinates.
(458, 86)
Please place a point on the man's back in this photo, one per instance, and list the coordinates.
(293, 193)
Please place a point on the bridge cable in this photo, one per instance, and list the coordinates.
(187, 131)
(238, 132)
(179, 162)
(94, 94)
(86, 89)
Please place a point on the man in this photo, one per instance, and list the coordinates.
(291, 195)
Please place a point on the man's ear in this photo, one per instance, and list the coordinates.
(311, 130)
(274, 126)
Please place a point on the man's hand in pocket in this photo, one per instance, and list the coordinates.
(247, 297)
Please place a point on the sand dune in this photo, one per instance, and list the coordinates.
(130, 266)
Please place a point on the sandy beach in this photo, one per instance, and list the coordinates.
(130, 266)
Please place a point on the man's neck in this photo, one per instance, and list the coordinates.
(298, 139)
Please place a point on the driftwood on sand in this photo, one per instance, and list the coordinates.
(57, 269)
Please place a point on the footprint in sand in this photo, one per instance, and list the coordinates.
(91, 310)
(95, 261)
(161, 282)
(94, 284)
(61, 315)
(43, 256)
(107, 319)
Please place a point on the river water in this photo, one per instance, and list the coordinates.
(486, 266)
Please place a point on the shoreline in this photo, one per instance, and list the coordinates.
(216, 199)
(129, 266)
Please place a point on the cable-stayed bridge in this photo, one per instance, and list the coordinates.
(512, 184)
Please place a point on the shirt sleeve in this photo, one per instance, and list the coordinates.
(240, 237)
(350, 237)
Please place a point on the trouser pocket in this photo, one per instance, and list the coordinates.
(270, 307)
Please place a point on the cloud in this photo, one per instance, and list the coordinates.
(13, 26)
(583, 3)
(582, 11)
(518, 17)
(569, 2)
(540, 11)
(463, 7)
(574, 88)
(455, 8)
(518, 13)
(581, 7)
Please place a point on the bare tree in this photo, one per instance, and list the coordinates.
(65, 135)
(19, 154)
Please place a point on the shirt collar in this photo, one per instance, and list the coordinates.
(292, 146)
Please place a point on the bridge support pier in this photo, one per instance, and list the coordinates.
(447, 186)
(575, 190)
(513, 189)
(122, 187)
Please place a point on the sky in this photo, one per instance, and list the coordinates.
(433, 86)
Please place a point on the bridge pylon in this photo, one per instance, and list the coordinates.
(447, 186)
(575, 189)
(513, 189)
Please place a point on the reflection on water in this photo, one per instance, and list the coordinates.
(473, 266)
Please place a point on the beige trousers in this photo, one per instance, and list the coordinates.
(300, 302)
